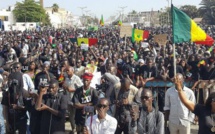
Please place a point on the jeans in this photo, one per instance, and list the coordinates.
(2, 125)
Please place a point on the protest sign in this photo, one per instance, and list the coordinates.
(84, 47)
(161, 39)
(125, 30)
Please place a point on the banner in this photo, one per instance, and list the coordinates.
(84, 47)
(125, 30)
(161, 39)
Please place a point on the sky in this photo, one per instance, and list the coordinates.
(108, 7)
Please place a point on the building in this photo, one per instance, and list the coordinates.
(150, 17)
(60, 19)
(7, 18)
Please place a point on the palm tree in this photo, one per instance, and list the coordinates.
(55, 7)
(207, 11)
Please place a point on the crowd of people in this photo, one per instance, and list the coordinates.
(45, 77)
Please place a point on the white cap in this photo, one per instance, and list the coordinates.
(141, 61)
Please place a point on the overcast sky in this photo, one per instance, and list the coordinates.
(108, 7)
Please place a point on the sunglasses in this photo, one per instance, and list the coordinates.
(145, 97)
(101, 106)
(16, 67)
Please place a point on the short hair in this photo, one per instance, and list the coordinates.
(181, 77)
(70, 67)
(125, 81)
(54, 81)
(105, 99)
(146, 90)
(17, 63)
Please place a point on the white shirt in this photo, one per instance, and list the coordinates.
(25, 50)
(107, 126)
(28, 83)
(73, 82)
(179, 114)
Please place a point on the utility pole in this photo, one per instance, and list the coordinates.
(168, 12)
(122, 8)
(87, 12)
(82, 9)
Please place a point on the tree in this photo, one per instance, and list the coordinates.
(190, 10)
(55, 7)
(207, 11)
(165, 16)
(30, 11)
(133, 13)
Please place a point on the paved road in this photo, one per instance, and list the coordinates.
(194, 128)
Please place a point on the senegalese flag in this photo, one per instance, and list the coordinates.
(186, 30)
(120, 23)
(83, 41)
(139, 35)
(202, 62)
(89, 41)
(102, 21)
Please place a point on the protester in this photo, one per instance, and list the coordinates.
(84, 96)
(53, 105)
(176, 113)
(150, 120)
(71, 83)
(101, 122)
(205, 112)
(14, 105)
(109, 58)
(123, 95)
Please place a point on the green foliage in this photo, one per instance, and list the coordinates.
(55, 7)
(30, 11)
(165, 17)
(207, 11)
(190, 10)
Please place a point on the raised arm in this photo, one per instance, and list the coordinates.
(189, 104)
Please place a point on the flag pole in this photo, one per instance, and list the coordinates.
(174, 55)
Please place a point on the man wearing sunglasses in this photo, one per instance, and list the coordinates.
(150, 120)
(101, 123)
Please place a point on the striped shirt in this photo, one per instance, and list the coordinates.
(150, 123)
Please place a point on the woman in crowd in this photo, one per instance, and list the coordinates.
(33, 70)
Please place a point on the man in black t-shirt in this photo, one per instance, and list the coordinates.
(44, 56)
(43, 77)
(52, 105)
(84, 96)
(14, 104)
(17, 49)
(148, 72)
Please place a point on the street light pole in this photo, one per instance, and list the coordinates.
(122, 11)
(87, 12)
(82, 9)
